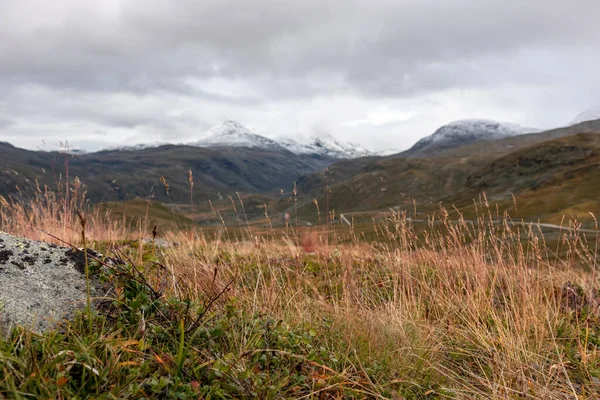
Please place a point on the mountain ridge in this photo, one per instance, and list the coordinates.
(466, 131)
(235, 135)
(590, 114)
(112, 175)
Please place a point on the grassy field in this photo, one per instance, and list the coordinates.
(388, 309)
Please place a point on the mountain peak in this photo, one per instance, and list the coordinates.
(592, 113)
(231, 124)
(233, 134)
(229, 127)
(465, 131)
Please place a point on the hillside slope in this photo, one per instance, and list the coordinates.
(551, 179)
(120, 175)
(390, 183)
(549, 173)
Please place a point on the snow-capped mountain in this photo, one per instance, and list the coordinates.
(590, 114)
(135, 147)
(326, 145)
(233, 134)
(459, 133)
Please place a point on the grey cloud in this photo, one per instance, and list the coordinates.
(5, 123)
(140, 46)
(175, 67)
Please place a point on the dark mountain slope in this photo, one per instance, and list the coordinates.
(335, 173)
(125, 174)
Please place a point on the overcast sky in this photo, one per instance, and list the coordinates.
(382, 73)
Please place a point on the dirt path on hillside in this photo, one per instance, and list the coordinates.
(345, 220)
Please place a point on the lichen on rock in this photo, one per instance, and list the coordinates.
(40, 283)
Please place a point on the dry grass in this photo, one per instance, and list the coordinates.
(455, 310)
(482, 310)
(46, 215)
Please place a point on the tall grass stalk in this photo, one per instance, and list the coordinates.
(82, 222)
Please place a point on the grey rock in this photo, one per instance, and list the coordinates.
(40, 283)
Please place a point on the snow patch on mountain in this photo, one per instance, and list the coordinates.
(326, 145)
(469, 130)
(592, 113)
(234, 134)
(136, 147)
